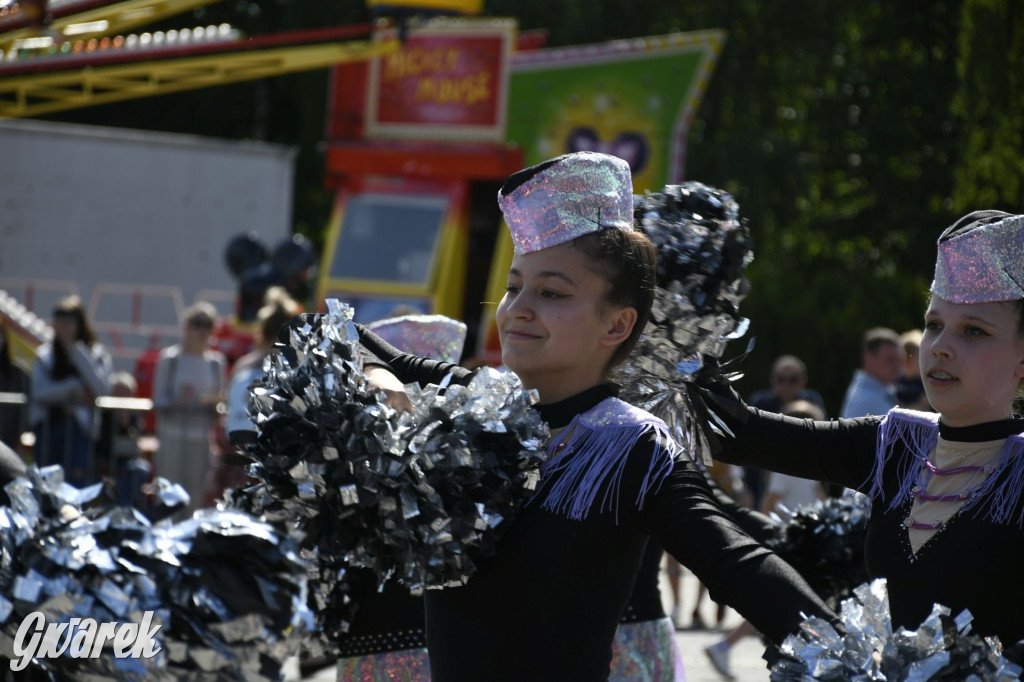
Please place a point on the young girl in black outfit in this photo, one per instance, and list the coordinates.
(946, 488)
(546, 606)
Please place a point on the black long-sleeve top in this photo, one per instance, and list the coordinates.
(972, 563)
(546, 606)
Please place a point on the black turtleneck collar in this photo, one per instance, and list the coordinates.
(559, 414)
(979, 433)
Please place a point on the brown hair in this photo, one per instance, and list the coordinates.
(71, 306)
(277, 309)
(627, 260)
(877, 337)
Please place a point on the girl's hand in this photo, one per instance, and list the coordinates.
(381, 379)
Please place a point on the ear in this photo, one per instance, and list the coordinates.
(619, 325)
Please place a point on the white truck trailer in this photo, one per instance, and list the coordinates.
(134, 222)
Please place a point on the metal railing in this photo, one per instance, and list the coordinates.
(114, 461)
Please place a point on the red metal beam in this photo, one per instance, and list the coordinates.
(424, 160)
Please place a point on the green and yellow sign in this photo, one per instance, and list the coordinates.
(632, 98)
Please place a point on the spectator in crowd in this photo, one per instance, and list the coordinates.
(69, 373)
(790, 492)
(187, 387)
(13, 380)
(11, 467)
(872, 390)
(909, 386)
(783, 494)
(787, 382)
(277, 309)
(729, 480)
(118, 450)
(226, 470)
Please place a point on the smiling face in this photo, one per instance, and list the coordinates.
(972, 360)
(557, 331)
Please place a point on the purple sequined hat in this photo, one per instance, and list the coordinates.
(430, 336)
(566, 197)
(981, 259)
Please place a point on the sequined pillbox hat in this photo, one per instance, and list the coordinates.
(981, 259)
(566, 197)
(430, 336)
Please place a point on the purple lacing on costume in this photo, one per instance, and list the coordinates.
(918, 431)
(608, 446)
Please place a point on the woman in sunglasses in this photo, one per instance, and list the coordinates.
(188, 384)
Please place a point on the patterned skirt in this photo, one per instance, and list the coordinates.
(407, 665)
(644, 651)
(647, 651)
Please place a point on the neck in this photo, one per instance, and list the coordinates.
(980, 432)
(558, 414)
(553, 388)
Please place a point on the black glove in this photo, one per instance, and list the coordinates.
(712, 388)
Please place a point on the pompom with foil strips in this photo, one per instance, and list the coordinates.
(824, 542)
(702, 248)
(227, 591)
(417, 497)
(941, 649)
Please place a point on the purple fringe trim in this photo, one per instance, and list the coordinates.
(1006, 496)
(607, 433)
(918, 432)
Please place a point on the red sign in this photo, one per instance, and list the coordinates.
(449, 81)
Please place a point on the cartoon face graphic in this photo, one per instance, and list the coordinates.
(630, 146)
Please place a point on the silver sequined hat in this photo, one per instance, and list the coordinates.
(430, 336)
(566, 197)
(981, 259)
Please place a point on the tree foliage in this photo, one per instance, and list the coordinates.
(851, 133)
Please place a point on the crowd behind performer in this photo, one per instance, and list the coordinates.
(187, 386)
(786, 494)
(787, 381)
(729, 480)
(226, 466)
(783, 495)
(119, 449)
(872, 390)
(69, 373)
(910, 385)
(546, 605)
(946, 488)
(13, 379)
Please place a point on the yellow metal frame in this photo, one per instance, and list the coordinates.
(446, 282)
(44, 93)
(462, 6)
(449, 276)
(110, 19)
(497, 283)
